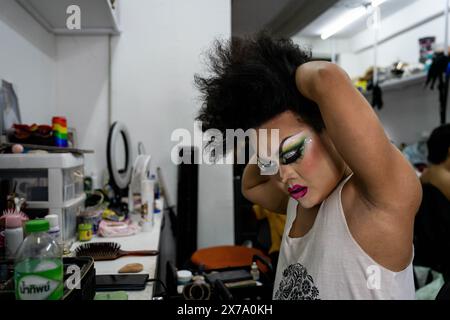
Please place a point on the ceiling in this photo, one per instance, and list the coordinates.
(315, 28)
(281, 17)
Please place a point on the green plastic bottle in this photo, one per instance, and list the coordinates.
(38, 270)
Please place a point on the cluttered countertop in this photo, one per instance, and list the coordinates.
(134, 231)
(43, 179)
(143, 240)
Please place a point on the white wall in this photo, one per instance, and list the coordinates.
(153, 64)
(408, 112)
(27, 59)
(82, 94)
(52, 76)
(154, 61)
(405, 46)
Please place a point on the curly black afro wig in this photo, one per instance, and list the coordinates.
(251, 81)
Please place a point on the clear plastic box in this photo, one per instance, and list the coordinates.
(67, 218)
(32, 184)
(44, 180)
(73, 186)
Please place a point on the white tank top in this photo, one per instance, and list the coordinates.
(327, 262)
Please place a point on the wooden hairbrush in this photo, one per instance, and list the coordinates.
(102, 251)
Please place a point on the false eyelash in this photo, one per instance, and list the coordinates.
(293, 155)
(289, 154)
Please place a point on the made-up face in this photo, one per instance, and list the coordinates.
(308, 164)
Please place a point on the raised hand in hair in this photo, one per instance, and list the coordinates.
(437, 70)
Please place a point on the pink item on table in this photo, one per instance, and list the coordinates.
(12, 212)
(117, 229)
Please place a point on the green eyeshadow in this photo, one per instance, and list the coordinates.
(293, 151)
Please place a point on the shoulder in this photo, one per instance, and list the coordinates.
(440, 180)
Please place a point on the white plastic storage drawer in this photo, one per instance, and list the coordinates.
(31, 184)
(44, 180)
(73, 186)
(68, 220)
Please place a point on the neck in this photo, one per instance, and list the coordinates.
(446, 164)
(442, 166)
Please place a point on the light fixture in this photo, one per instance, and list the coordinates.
(377, 3)
(348, 18)
(343, 21)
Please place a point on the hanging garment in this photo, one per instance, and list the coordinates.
(432, 231)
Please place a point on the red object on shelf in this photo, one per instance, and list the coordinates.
(34, 134)
(60, 120)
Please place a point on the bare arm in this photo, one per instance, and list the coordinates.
(267, 191)
(383, 176)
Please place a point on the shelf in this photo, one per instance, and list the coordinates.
(48, 205)
(394, 84)
(402, 83)
(40, 161)
(98, 17)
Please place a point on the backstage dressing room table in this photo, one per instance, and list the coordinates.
(144, 240)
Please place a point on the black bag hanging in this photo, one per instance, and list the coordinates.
(439, 71)
(377, 97)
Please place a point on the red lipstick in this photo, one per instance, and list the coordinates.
(297, 191)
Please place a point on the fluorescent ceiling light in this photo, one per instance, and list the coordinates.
(377, 3)
(343, 21)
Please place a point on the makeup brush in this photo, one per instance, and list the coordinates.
(102, 251)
